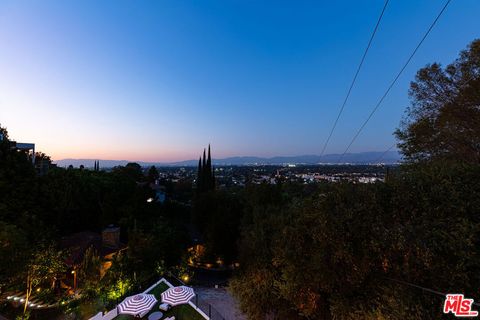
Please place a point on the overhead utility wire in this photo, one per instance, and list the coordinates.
(385, 153)
(423, 288)
(466, 82)
(395, 80)
(354, 80)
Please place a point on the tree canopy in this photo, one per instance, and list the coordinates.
(355, 251)
(37, 210)
(443, 121)
(338, 254)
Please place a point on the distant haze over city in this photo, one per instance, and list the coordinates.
(389, 157)
(160, 80)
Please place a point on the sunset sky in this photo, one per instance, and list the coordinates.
(159, 80)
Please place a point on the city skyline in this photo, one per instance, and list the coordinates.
(158, 82)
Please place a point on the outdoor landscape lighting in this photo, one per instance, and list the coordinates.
(74, 280)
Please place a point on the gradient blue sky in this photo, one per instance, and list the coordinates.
(159, 80)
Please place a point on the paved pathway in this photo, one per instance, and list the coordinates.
(221, 300)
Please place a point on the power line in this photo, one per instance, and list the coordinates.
(417, 286)
(466, 82)
(384, 153)
(422, 288)
(395, 79)
(354, 79)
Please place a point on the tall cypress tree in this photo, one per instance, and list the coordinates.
(199, 175)
(205, 175)
(204, 169)
(212, 179)
(204, 161)
(208, 171)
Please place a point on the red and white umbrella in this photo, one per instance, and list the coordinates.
(177, 295)
(137, 305)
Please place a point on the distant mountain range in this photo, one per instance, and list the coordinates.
(390, 157)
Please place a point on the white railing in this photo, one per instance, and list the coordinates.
(107, 316)
(156, 284)
(110, 314)
(98, 316)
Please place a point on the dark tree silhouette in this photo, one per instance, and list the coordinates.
(443, 121)
(205, 175)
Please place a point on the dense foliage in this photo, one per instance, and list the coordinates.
(337, 254)
(36, 211)
(443, 121)
(378, 251)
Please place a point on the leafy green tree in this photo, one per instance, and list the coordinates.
(42, 208)
(17, 181)
(40, 157)
(222, 224)
(119, 289)
(90, 272)
(344, 252)
(134, 170)
(117, 281)
(254, 283)
(443, 121)
(152, 174)
(45, 264)
(147, 248)
(14, 248)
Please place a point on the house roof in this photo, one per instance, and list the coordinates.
(77, 244)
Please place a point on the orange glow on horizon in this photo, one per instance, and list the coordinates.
(167, 156)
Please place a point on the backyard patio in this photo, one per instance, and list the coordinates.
(180, 312)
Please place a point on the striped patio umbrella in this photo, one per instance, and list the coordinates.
(139, 304)
(177, 295)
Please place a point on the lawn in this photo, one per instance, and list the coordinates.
(181, 312)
